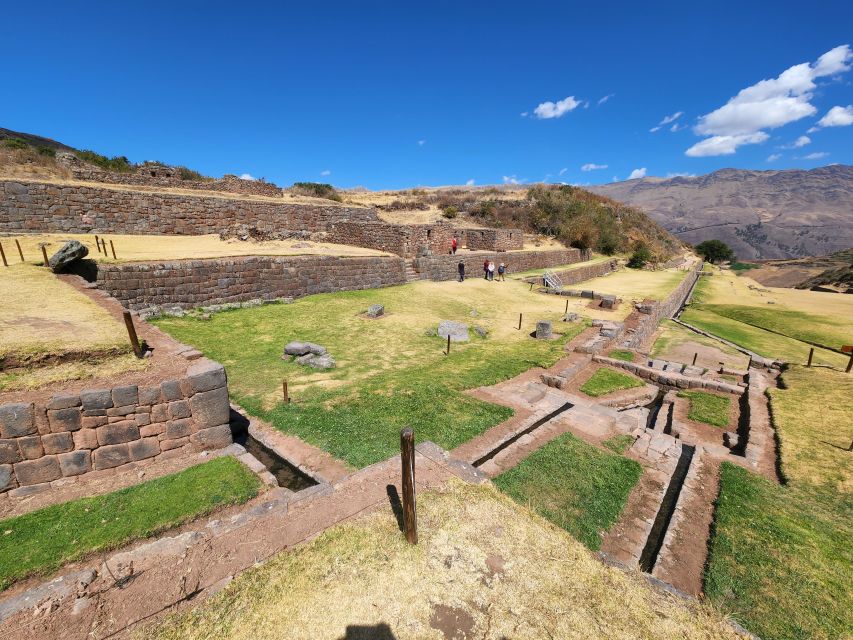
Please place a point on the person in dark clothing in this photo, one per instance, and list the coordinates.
(486, 269)
(461, 267)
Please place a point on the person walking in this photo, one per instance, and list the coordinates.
(501, 271)
(486, 270)
(453, 245)
(491, 271)
(461, 268)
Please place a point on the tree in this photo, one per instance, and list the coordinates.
(715, 251)
(640, 257)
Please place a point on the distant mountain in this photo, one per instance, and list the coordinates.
(34, 140)
(760, 214)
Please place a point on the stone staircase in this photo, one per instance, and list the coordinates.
(411, 273)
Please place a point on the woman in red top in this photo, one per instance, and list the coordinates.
(453, 246)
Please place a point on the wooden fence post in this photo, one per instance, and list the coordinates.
(407, 454)
(131, 333)
(695, 355)
(567, 308)
(3, 255)
(519, 322)
(811, 355)
(44, 255)
(20, 252)
(448, 344)
(112, 246)
(98, 242)
(284, 392)
(849, 364)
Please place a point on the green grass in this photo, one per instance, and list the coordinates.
(780, 558)
(622, 354)
(708, 408)
(44, 540)
(391, 373)
(737, 267)
(574, 485)
(619, 444)
(605, 381)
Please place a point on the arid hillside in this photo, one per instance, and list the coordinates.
(760, 214)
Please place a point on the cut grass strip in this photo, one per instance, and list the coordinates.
(619, 444)
(606, 381)
(621, 354)
(574, 485)
(42, 541)
(780, 558)
(708, 408)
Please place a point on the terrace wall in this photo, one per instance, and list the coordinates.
(494, 239)
(194, 283)
(444, 267)
(102, 429)
(45, 207)
(581, 274)
(402, 239)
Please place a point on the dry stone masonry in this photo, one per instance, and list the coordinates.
(105, 428)
(444, 267)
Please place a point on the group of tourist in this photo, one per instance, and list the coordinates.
(488, 270)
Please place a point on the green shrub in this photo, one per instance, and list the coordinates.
(15, 143)
(715, 251)
(119, 164)
(46, 151)
(640, 257)
(317, 190)
(450, 212)
(189, 174)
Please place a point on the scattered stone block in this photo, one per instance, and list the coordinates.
(544, 330)
(608, 302)
(458, 331)
(75, 463)
(16, 420)
(481, 331)
(68, 254)
(38, 471)
(375, 310)
(571, 317)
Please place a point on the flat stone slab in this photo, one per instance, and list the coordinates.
(457, 331)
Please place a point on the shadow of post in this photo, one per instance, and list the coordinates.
(396, 505)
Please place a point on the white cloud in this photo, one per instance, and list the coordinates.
(247, 176)
(562, 171)
(421, 143)
(590, 166)
(548, 110)
(773, 157)
(680, 175)
(767, 104)
(817, 155)
(512, 180)
(653, 129)
(802, 141)
(723, 145)
(470, 183)
(524, 114)
(675, 116)
(637, 173)
(606, 98)
(615, 178)
(325, 173)
(837, 117)
(675, 127)
(667, 120)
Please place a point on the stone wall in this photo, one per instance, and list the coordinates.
(45, 207)
(494, 239)
(581, 274)
(444, 267)
(642, 323)
(105, 428)
(402, 239)
(194, 283)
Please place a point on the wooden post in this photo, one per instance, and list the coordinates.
(519, 322)
(131, 333)
(811, 355)
(284, 392)
(448, 344)
(695, 355)
(20, 252)
(849, 364)
(567, 307)
(44, 255)
(103, 248)
(3, 255)
(407, 454)
(531, 287)
(112, 246)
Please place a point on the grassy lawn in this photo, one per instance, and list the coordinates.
(634, 284)
(621, 354)
(574, 485)
(391, 372)
(708, 408)
(605, 381)
(780, 558)
(619, 444)
(678, 344)
(131, 248)
(44, 540)
(479, 554)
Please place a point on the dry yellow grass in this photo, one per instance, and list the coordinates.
(109, 366)
(42, 315)
(635, 284)
(131, 248)
(504, 571)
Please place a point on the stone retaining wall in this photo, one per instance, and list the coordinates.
(581, 274)
(445, 267)
(102, 429)
(194, 283)
(494, 239)
(45, 207)
(671, 378)
(403, 239)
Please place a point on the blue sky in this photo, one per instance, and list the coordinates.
(394, 95)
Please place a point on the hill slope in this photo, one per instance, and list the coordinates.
(760, 214)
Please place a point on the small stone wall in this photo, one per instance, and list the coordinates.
(494, 239)
(402, 239)
(194, 283)
(46, 207)
(444, 267)
(581, 274)
(105, 428)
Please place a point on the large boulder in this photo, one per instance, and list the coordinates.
(544, 330)
(315, 361)
(70, 252)
(296, 348)
(458, 331)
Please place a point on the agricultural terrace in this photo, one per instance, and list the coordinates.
(775, 323)
(140, 248)
(679, 344)
(391, 372)
(45, 321)
(596, 259)
(484, 567)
